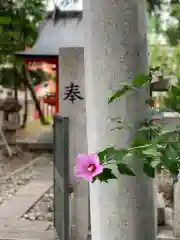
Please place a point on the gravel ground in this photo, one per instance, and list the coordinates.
(10, 183)
(43, 209)
(164, 184)
(19, 159)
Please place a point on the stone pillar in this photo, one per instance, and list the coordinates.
(115, 52)
(71, 71)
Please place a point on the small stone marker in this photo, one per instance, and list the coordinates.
(177, 210)
(161, 209)
(72, 105)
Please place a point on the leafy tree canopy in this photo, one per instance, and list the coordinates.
(18, 29)
(165, 17)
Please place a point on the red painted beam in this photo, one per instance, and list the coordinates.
(50, 60)
(57, 85)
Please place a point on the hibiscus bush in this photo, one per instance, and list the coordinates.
(154, 145)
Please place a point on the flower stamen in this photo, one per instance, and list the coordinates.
(91, 168)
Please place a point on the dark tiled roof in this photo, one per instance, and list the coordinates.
(57, 14)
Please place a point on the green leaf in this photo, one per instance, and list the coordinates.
(156, 163)
(111, 153)
(139, 141)
(5, 20)
(104, 154)
(140, 80)
(149, 170)
(119, 155)
(137, 82)
(152, 152)
(149, 128)
(119, 93)
(173, 167)
(105, 175)
(172, 153)
(125, 170)
(165, 134)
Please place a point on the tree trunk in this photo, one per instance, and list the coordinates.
(16, 98)
(25, 107)
(33, 95)
(16, 92)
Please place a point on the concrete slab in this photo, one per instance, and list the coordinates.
(26, 230)
(166, 233)
(17, 205)
(41, 226)
(13, 234)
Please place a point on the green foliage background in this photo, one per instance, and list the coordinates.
(18, 29)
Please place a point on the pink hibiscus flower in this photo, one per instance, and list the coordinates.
(87, 166)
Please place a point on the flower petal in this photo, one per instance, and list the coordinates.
(82, 163)
(87, 176)
(82, 159)
(94, 159)
(78, 171)
(98, 170)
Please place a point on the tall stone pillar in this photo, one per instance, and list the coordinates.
(115, 52)
(72, 105)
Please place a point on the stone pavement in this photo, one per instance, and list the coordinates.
(12, 227)
(46, 136)
(165, 233)
(25, 230)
